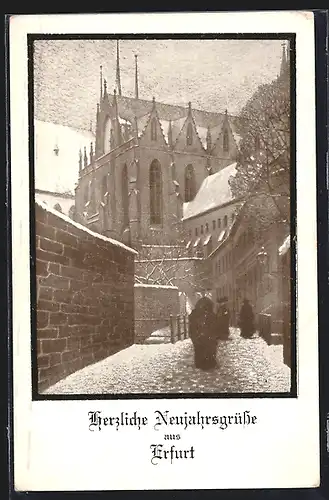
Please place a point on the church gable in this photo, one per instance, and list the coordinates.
(225, 145)
(188, 138)
(153, 134)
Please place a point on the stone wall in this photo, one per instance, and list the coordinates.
(153, 306)
(85, 296)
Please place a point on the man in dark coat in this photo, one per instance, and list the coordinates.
(247, 320)
(203, 333)
(223, 319)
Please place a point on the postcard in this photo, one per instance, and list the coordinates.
(163, 187)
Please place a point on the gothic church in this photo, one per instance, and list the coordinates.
(148, 160)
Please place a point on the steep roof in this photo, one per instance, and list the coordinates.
(58, 172)
(214, 192)
(129, 107)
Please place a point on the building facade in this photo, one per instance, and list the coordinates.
(148, 160)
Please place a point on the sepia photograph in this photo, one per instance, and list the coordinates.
(163, 185)
(164, 269)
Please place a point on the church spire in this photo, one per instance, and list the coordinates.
(284, 64)
(117, 126)
(118, 79)
(101, 82)
(136, 77)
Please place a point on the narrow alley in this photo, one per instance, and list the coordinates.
(244, 365)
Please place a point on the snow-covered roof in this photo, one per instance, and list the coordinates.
(122, 121)
(83, 228)
(206, 241)
(142, 121)
(57, 155)
(177, 126)
(165, 128)
(221, 236)
(202, 133)
(214, 192)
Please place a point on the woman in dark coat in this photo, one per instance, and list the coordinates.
(247, 320)
(203, 333)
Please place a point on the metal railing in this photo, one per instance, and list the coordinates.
(178, 327)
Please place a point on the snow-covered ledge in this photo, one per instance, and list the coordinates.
(84, 228)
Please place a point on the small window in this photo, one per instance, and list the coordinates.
(232, 217)
(189, 135)
(226, 146)
(201, 229)
(153, 130)
(155, 193)
(196, 231)
(207, 227)
(190, 186)
(214, 224)
(218, 265)
(225, 221)
(219, 223)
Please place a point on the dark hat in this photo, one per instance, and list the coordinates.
(204, 303)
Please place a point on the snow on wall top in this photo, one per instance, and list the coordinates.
(83, 228)
(141, 285)
(57, 155)
(214, 192)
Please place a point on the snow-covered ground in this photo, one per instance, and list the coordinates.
(244, 365)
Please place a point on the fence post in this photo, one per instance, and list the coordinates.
(178, 328)
(172, 333)
(185, 327)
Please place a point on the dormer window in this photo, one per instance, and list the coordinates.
(226, 146)
(153, 129)
(189, 135)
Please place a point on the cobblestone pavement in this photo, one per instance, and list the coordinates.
(244, 365)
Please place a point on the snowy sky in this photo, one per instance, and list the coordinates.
(212, 74)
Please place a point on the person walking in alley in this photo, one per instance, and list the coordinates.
(203, 333)
(247, 320)
(223, 319)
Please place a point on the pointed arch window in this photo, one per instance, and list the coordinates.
(226, 144)
(189, 135)
(153, 129)
(190, 190)
(124, 196)
(155, 193)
